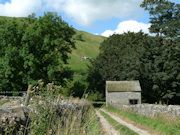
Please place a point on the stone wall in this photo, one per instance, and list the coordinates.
(12, 98)
(13, 111)
(151, 110)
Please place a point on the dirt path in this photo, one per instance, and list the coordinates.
(107, 128)
(130, 126)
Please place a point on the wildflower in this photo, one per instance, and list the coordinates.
(17, 119)
(5, 115)
(50, 131)
(62, 98)
(34, 88)
(39, 81)
(52, 90)
(11, 121)
(52, 83)
(48, 84)
(41, 84)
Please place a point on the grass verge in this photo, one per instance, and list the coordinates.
(161, 124)
(121, 128)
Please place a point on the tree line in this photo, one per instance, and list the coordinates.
(34, 48)
(153, 60)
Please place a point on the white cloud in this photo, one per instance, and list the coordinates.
(107, 33)
(126, 26)
(20, 8)
(83, 12)
(86, 12)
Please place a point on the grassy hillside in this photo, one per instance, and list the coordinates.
(88, 47)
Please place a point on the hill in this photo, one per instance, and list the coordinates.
(86, 47)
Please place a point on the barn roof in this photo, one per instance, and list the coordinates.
(123, 86)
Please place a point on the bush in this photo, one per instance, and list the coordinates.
(79, 37)
(94, 96)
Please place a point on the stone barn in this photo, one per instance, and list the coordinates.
(123, 92)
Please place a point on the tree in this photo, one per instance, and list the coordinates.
(165, 24)
(153, 61)
(159, 69)
(112, 62)
(10, 59)
(34, 48)
(164, 18)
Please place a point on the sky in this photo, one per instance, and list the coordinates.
(100, 17)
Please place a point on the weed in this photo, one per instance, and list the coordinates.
(52, 115)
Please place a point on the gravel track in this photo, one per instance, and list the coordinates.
(106, 127)
(130, 126)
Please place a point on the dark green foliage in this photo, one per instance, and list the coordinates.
(165, 17)
(79, 37)
(74, 88)
(112, 62)
(155, 61)
(161, 63)
(34, 48)
(1, 79)
(95, 96)
(165, 53)
(135, 56)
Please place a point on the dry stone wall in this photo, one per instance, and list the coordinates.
(13, 111)
(12, 98)
(151, 110)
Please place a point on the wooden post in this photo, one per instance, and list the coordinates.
(28, 94)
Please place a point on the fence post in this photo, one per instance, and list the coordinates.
(28, 94)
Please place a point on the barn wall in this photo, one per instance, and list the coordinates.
(121, 97)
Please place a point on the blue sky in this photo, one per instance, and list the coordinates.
(102, 17)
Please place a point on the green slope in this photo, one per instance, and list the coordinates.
(89, 47)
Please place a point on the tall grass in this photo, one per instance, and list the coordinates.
(53, 115)
(65, 122)
(67, 119)
(163, 124)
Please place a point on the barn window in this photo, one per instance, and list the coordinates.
(133, 101)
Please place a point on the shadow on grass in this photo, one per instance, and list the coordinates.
(98, 104)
